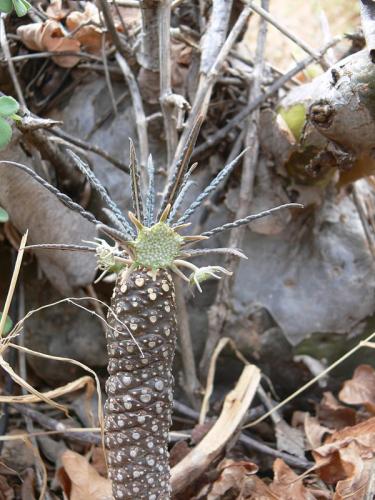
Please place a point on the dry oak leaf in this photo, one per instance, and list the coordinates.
(233, 475)
(314, 431)
(85, 27)
(287, 485)
(334, 415)
(56, 11)
(81, 481)
(346, 458)
(360, 390)
(50, 36)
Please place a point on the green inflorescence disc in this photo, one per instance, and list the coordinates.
(156, 247)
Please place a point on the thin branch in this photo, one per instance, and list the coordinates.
(267, 16)
(122, 48)
(222, 133)
(208, 81)
(149, 55)
(140, 117)
(12, 71)
(191, 383)
(214, 37)
(108, 75)
(164, 15)
(363, 219)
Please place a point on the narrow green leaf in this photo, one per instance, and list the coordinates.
(8, 325)
(8, 105)
(4, 217)
(21, 7)
(5, 133)
(6, 6)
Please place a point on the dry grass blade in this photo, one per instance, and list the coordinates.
(73, 430)
(210, 379)
(35, 451)
(235, 407)
(13, 282)
(77, 384)
(364, 343)
(20, 381)
(74, 362)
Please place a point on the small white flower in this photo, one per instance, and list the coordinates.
(206, 273)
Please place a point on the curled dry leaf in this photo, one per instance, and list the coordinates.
(85, 26)
(131, 18)
(314, 431)
(233, 476)
(6, 492)
(181, 58)
(287, 485)
(56, 11)
(360, 390)
(49, 36)
(80, 480)
(347, 458)
(334, 415)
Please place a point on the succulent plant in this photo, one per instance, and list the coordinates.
(148, 247)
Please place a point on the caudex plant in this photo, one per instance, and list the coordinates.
(148, 248)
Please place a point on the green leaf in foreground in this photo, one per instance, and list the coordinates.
(21, 7)
(8, 325)
(6, 6)
(5, 133)
(8, 105)
(4, 217)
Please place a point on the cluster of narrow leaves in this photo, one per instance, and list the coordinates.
(8, 113)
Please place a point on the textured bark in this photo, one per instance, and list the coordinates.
(139, 388)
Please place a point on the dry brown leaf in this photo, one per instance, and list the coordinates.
(360, 390)
(56, 11)
(180, 59)
(6, 492)
(131, 18)
(233, 475)
(89, 35)
(98, 461)
(314, 431)
(178, 452)
(346, 458)
(287, 485)
(49, 36)
(81, 481)
(333, 415)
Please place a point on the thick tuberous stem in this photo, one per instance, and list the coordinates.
(139, 405)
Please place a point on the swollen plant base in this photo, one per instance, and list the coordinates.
(139, 405)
